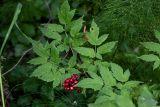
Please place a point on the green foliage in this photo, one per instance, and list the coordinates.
(112, 76)
(93, 34)
(102, 49)
(85, 51)
(52, 31)
(146, 98)
(38, 60)
(133, 21)
(154, 47)
(105, 72)
(66, 49)
(45, 72)
(157, 35)
(48, 69)
(31, 14)
(155, 90)
(118, 73)
(149, 58)
(95, 83)
(76, 27)
(72, 61)
(65, 15)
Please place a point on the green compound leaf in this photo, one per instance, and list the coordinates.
(76, 27)
(119, 74)
(157, 35)
(72, 61)
(131, 84)
(54, 27)
(98, 56)
(45, 72)
(156, 64)
(108, 91)
(102, 99)
(107, 76)
(72, 71)
(146, 98)
(65, 15)
(91, 68)
(149, 57)
(51, 34)
(54, 54)
(108, 103)
(101, 39)
(89, 52)
(94, 75)
(93, 34)
(39, 49)
(76, 42)
(38, 60)
(95, 83)
(94, 29)
(152, 46)
(57, 79)
(124, 101)
(106, 48)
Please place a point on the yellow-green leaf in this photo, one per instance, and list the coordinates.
(89, 52)
(149, 57)
(107, 76)
(152, 46)
(101, 39)
(118, 73)
(106, 48)
(38, 60)
(45, 72)
(95, 84)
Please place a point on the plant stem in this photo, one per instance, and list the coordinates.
(95, 50)
(1, 86)
(17, 12)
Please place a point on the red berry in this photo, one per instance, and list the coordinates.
(71, 80)
(78, 91)
(69, 83)
(66, 84)
(67, 80)
(72, 84)
(74, 76)
(71, 88)
(75, 82)
(65, 88)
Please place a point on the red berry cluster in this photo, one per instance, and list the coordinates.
(69, 83)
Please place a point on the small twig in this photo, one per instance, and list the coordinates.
(49, 10)
(66, 55)
(17, 62)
